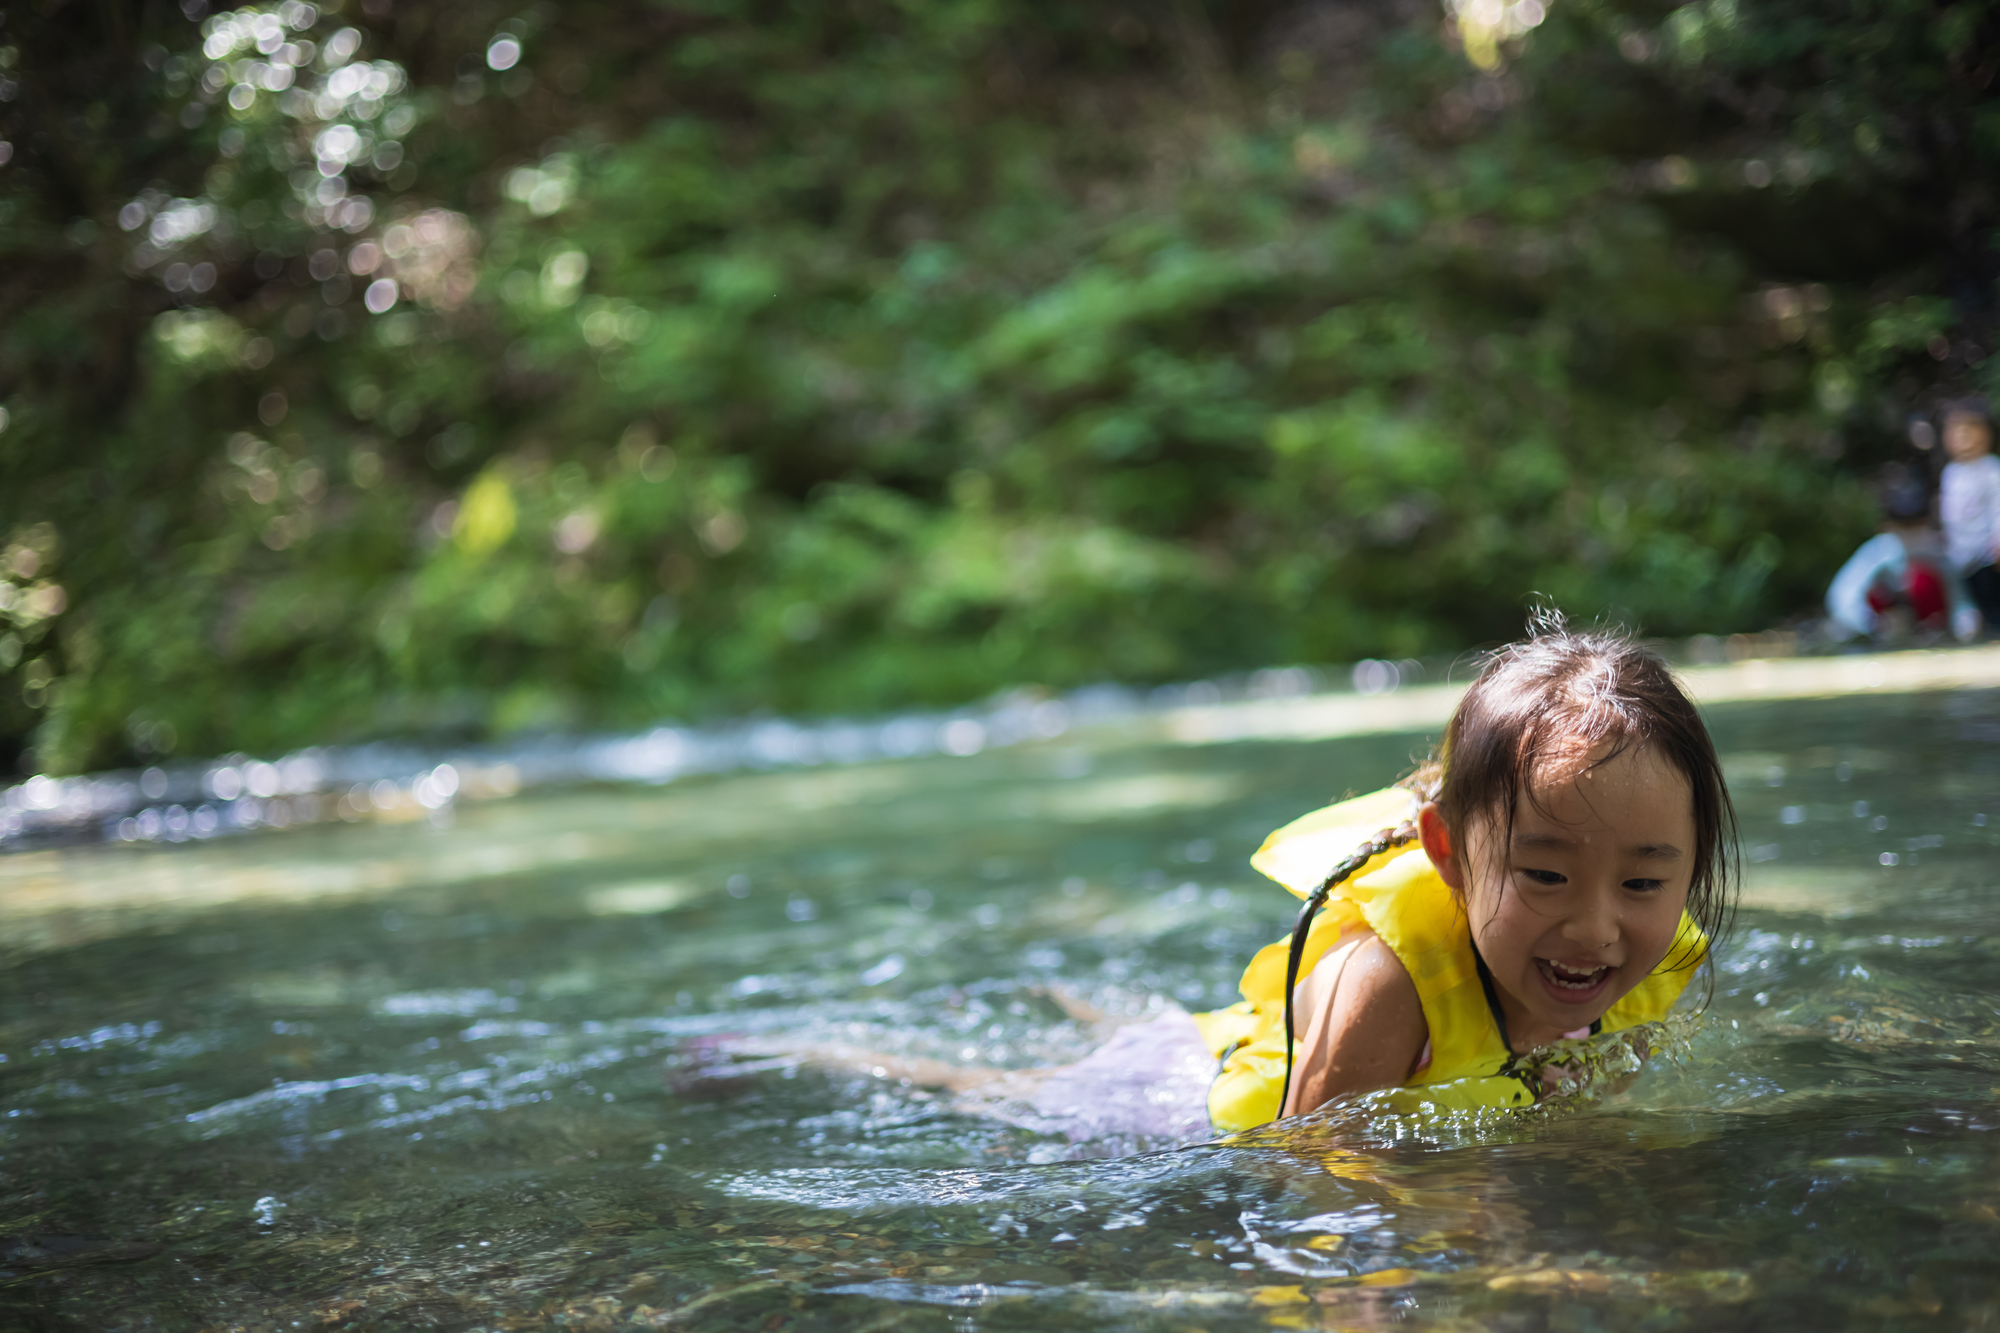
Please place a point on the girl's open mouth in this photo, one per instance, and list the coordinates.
(1569, 984)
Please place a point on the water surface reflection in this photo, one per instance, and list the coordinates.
(508, 1073)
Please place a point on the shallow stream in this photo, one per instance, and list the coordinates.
(538, 1068)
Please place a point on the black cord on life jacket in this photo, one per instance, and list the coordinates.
(1314, 901)
(1401, 835)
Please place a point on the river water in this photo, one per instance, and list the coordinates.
(553, 1063)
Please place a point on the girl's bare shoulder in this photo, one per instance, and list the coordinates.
(1366, 1028)
(1373, 982)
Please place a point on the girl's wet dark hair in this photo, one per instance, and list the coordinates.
(1560, 694)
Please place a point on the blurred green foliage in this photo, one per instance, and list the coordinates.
(718, 355)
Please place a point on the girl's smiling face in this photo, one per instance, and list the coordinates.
(1586, 899)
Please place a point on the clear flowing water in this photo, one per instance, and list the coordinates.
(541, 1068)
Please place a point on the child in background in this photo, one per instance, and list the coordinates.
(1904, 570)
(1969, 502)
(1556, 871)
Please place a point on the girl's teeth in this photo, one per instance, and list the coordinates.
(1571, 978)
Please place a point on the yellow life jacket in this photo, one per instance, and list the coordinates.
(1399, 895)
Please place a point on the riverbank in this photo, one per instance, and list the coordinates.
(1324, 716)
(404, 782)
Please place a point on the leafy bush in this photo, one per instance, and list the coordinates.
(434, 369)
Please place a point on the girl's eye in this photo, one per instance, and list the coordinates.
(1643, 885)
(1545, 876)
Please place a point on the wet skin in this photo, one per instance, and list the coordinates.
(1585, 899)
(1582, 907)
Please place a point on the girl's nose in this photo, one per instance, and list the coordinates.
(1594, 923)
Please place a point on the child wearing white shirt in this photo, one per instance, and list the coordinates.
(1969, 502)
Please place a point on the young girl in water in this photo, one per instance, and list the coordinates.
(1557, 870)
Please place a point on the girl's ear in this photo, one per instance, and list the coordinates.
(1439, 847)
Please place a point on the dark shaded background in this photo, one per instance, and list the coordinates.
(835, 357)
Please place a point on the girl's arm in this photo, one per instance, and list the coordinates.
(1363, 1024)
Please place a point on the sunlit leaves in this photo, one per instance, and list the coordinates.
(842, 358)
(306, 108)
(200, 337)
(486, 517)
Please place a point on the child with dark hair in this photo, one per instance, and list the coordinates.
(1969, 502)
(1558, 870)
(1903, 575)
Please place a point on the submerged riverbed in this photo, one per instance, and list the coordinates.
(530, 1069)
